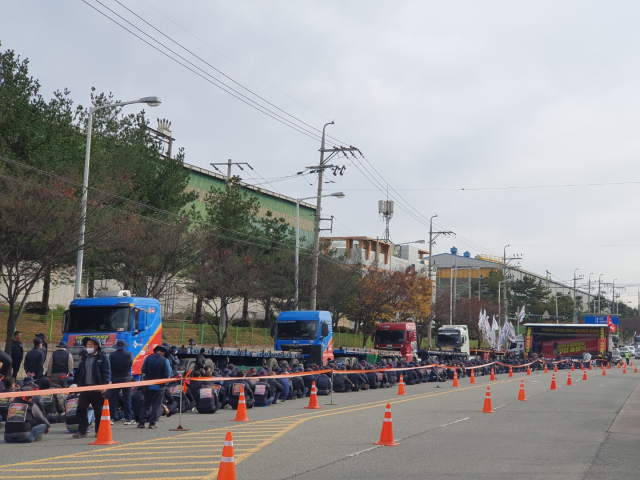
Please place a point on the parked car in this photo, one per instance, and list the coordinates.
(625, 349)
(615, 356)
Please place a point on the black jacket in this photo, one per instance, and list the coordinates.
(17, 352)
(297, 384)
(323, 382)
(34, 362)
(121, 362)
(101, 370)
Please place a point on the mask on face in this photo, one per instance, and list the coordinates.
(90, 350)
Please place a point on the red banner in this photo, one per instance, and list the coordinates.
(570, 347)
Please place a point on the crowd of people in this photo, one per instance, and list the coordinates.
(205, 391)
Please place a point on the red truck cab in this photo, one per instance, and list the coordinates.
(398, 337)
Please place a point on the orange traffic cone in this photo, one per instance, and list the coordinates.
(590, 366)
(569, 382)
(555, 368)
(227, 469)
(625, 369)
(386, 436)
(104, 430)
(528, 370)
(313, 398)
(609, 366)
(241, 416)
(401, 386)
(553, 382)
(510, 372)
(635, 369)
(619, 367)
(455, 379)
(545, 368)
(582, 366)
(493, 376)
(572, 367)
(487, 402)
(604, 372)
(473, 377)
(521, 396)
(584, 376)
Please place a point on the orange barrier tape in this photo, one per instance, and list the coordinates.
(143, 383)
(517, 366)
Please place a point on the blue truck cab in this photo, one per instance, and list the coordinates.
(307, 332)
(114, 315)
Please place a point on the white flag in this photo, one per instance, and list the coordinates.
(521, 315)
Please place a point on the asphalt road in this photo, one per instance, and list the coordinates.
(569, 433)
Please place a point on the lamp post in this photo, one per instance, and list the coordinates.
(152, 102)
(336, 194)
(599, 294)
(589, 302)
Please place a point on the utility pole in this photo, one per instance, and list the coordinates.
(589, 296)
(613, 294)
(575, 307)
(599, 309)
(455, 287)
(451, 296)
(316, 231)
(432, 240)
(228, 164)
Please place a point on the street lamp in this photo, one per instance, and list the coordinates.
(336, 194)
(152, 102)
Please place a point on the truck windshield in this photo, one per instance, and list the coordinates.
(390, 336)
(448, 340)
(98, 319)
(298, 330)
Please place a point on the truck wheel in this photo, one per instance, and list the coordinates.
(271, 364)
(283, 364)
(344, 360)
(189, 365)
(295, 363)
(209, 363)
(354, 361)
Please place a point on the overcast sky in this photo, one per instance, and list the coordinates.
(439, 96)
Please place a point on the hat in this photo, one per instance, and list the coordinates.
(121, 344)
(62, 344)
(41, 335)
(173, 348)
(161, 348)
(93, 339)
(27, 380)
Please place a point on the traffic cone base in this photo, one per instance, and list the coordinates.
(521, 396)
(227, 469)
(386, 436)
(553, 382)
(472, 377)
(104, 432)
(401, 385)
(487, 408)
(313, 398)
(241, 415)
(455, 379)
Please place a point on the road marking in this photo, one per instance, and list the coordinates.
(363, 451)
(457, 421)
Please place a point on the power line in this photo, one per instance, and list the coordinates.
(213, 80)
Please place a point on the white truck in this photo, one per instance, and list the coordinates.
(453, 340)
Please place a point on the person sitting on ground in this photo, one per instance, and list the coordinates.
(298, 390)
(308, 381)
(25, 422)
(169, 404)
(323, 384)
(52, 403)
(235, 387)
(9, 384)
(263, 393)
(208, 401)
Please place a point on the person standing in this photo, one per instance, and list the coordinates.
(174, 362)
(121, 362)
(93, 369)
(17, 352)
(45, 345)
(60, 364)
(34, 360)
(155, 367)
(627, 356)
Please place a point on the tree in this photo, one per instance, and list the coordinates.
(39, 221)
(222, 278)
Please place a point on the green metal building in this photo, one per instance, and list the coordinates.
(201, 181)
